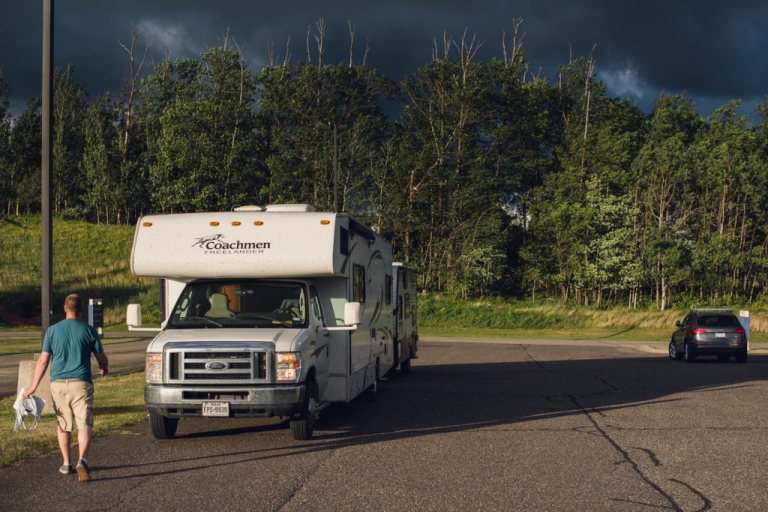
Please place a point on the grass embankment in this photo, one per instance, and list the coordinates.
(500, 318)
(118, 400)
(92, 260)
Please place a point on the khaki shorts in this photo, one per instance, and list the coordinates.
(72, 403)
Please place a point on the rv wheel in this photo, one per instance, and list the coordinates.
(405, 367)
(302, 426)
(373, 389)
(162, 427)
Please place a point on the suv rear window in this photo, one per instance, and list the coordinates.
(718, 321)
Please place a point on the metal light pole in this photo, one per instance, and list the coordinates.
(46, 309)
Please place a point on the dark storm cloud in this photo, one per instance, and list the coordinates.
(711, 49)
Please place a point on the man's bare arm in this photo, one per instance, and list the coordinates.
(42, 365)
(103, 361)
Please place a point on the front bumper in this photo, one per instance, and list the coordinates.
(187, 401)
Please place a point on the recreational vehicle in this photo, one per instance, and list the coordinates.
(404, 315)
(272, 312)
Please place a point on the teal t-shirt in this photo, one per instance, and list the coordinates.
(71, 343)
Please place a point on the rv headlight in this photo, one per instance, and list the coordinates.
(288, 366)
(154, 368)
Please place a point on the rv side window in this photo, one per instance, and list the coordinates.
(388, 288)
(358, 284)
(315, 303)
(407, 305)
(343, 241)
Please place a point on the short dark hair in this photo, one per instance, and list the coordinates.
(74, 304)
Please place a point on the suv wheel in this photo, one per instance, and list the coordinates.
(741, 357)
(689, 355)
(673, 352)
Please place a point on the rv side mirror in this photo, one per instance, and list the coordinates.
(353, 313)
(133, 316)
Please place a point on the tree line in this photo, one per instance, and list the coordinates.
(485, 177)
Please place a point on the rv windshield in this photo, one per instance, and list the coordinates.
(227, 303)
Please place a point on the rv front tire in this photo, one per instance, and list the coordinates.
(162, 427)
(303, 426)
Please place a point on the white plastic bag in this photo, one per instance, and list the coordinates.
(32, 406)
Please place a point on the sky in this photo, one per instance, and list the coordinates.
(712, 49)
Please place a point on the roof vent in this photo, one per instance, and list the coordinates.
(290, 208)
(248, 208)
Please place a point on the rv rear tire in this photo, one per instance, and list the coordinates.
(162, 427)
(405, 367)
(373, 390)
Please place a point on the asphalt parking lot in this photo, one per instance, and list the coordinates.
(475, 426)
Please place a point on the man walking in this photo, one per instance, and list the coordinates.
(68, 346)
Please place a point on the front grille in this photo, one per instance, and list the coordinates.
(236, 366)
(229, 396)
(201, 366)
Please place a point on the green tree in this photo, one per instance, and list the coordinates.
(205, 154)
(665, 194)
(6, 167)
(610, 248)
(560, 215)
(453, 215)
(25, 170)
(132, 190)
(100, 162)
(525, 133)
(69, 107)
(730, 214)
(300, 106)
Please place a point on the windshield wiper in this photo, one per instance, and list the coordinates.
(214, 322)
(284, 323)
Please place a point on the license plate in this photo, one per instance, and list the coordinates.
(216, 409)
(719, 335)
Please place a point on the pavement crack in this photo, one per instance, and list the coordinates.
(627, 458)
(654, 459)
(302, 484)
(606, 383)
(707, 504)
(532, 359)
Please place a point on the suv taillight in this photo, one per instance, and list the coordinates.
(740, 331)
(698, 330)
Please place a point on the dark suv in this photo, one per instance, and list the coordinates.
(709, 332)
